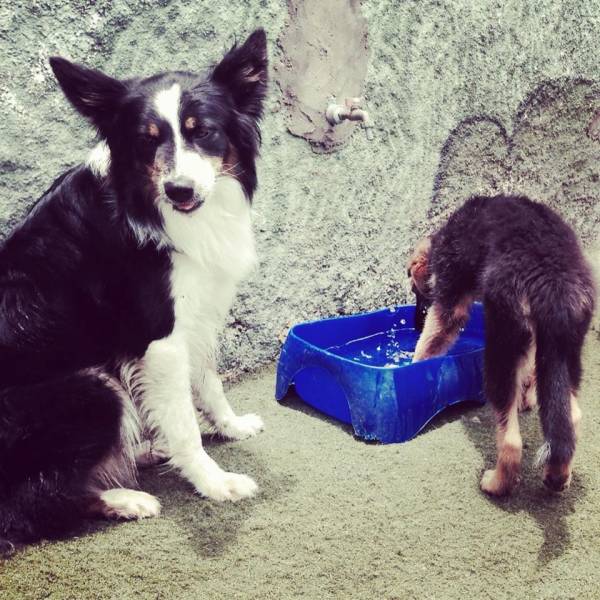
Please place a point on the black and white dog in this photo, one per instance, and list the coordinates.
(525, 263)
(113, 291)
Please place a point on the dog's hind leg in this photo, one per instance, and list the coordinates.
(528, 399)
(441, 328)
(148, 454)
(56, 437)
(559, 373)
(503, 478)
(576, 415)
(575, 371)
(109, 488)
(508, 339)
(123, 503)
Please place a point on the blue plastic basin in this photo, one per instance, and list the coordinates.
(358, 370)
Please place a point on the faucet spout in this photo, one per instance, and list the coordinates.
(349, 111)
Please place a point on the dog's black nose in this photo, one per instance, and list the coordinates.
(180, 189)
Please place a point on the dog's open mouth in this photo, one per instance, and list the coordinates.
(187, 207)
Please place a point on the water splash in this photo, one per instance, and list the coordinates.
(391, 349)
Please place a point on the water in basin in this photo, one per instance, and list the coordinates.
(394, 348)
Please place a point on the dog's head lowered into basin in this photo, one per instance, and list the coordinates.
(171, 141)
(420, 276)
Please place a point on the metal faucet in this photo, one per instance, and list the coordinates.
(351, 111)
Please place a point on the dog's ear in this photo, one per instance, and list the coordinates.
(94, 95)
(418, 266)
(243, 73)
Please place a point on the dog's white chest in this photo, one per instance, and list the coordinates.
(215, 250)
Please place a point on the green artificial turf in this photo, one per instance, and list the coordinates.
(340, 518)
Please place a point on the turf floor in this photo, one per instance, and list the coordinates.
(340, 518)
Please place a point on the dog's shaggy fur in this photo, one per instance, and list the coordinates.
(526, 265)
(113, 291)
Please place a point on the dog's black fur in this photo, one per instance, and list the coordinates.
(80, 289)
(526, 265)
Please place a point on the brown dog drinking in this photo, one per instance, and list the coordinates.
(526, 265)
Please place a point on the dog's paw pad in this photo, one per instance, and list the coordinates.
(490, 484)
(240, 486)
(557, 482)
(120, 503)
(242, 427)
(230, 487)
(528, 399)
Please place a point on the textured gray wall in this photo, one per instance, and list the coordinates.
(503, 90)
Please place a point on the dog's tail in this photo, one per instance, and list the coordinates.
(554, 395)
(562, 319)
(52, 436)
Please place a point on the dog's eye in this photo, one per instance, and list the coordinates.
(201, 132)
(195, 129)
(151, 134)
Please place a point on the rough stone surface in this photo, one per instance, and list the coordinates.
(319, 62)
(496, 94)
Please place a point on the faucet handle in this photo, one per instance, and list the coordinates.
(333, 112)
(354, 103)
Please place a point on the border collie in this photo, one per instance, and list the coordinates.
(526, 265)
(113, 291)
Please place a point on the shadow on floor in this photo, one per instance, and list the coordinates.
(456, 412)
(293, 401)
(548, 509)
(449, 415)
(211, 527)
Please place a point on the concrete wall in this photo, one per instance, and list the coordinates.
(498, 95)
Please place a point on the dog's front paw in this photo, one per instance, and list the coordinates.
(490, 483)
(240, 428)
(494, 484)
(229, 487)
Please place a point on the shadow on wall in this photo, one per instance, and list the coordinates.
(546, 154)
